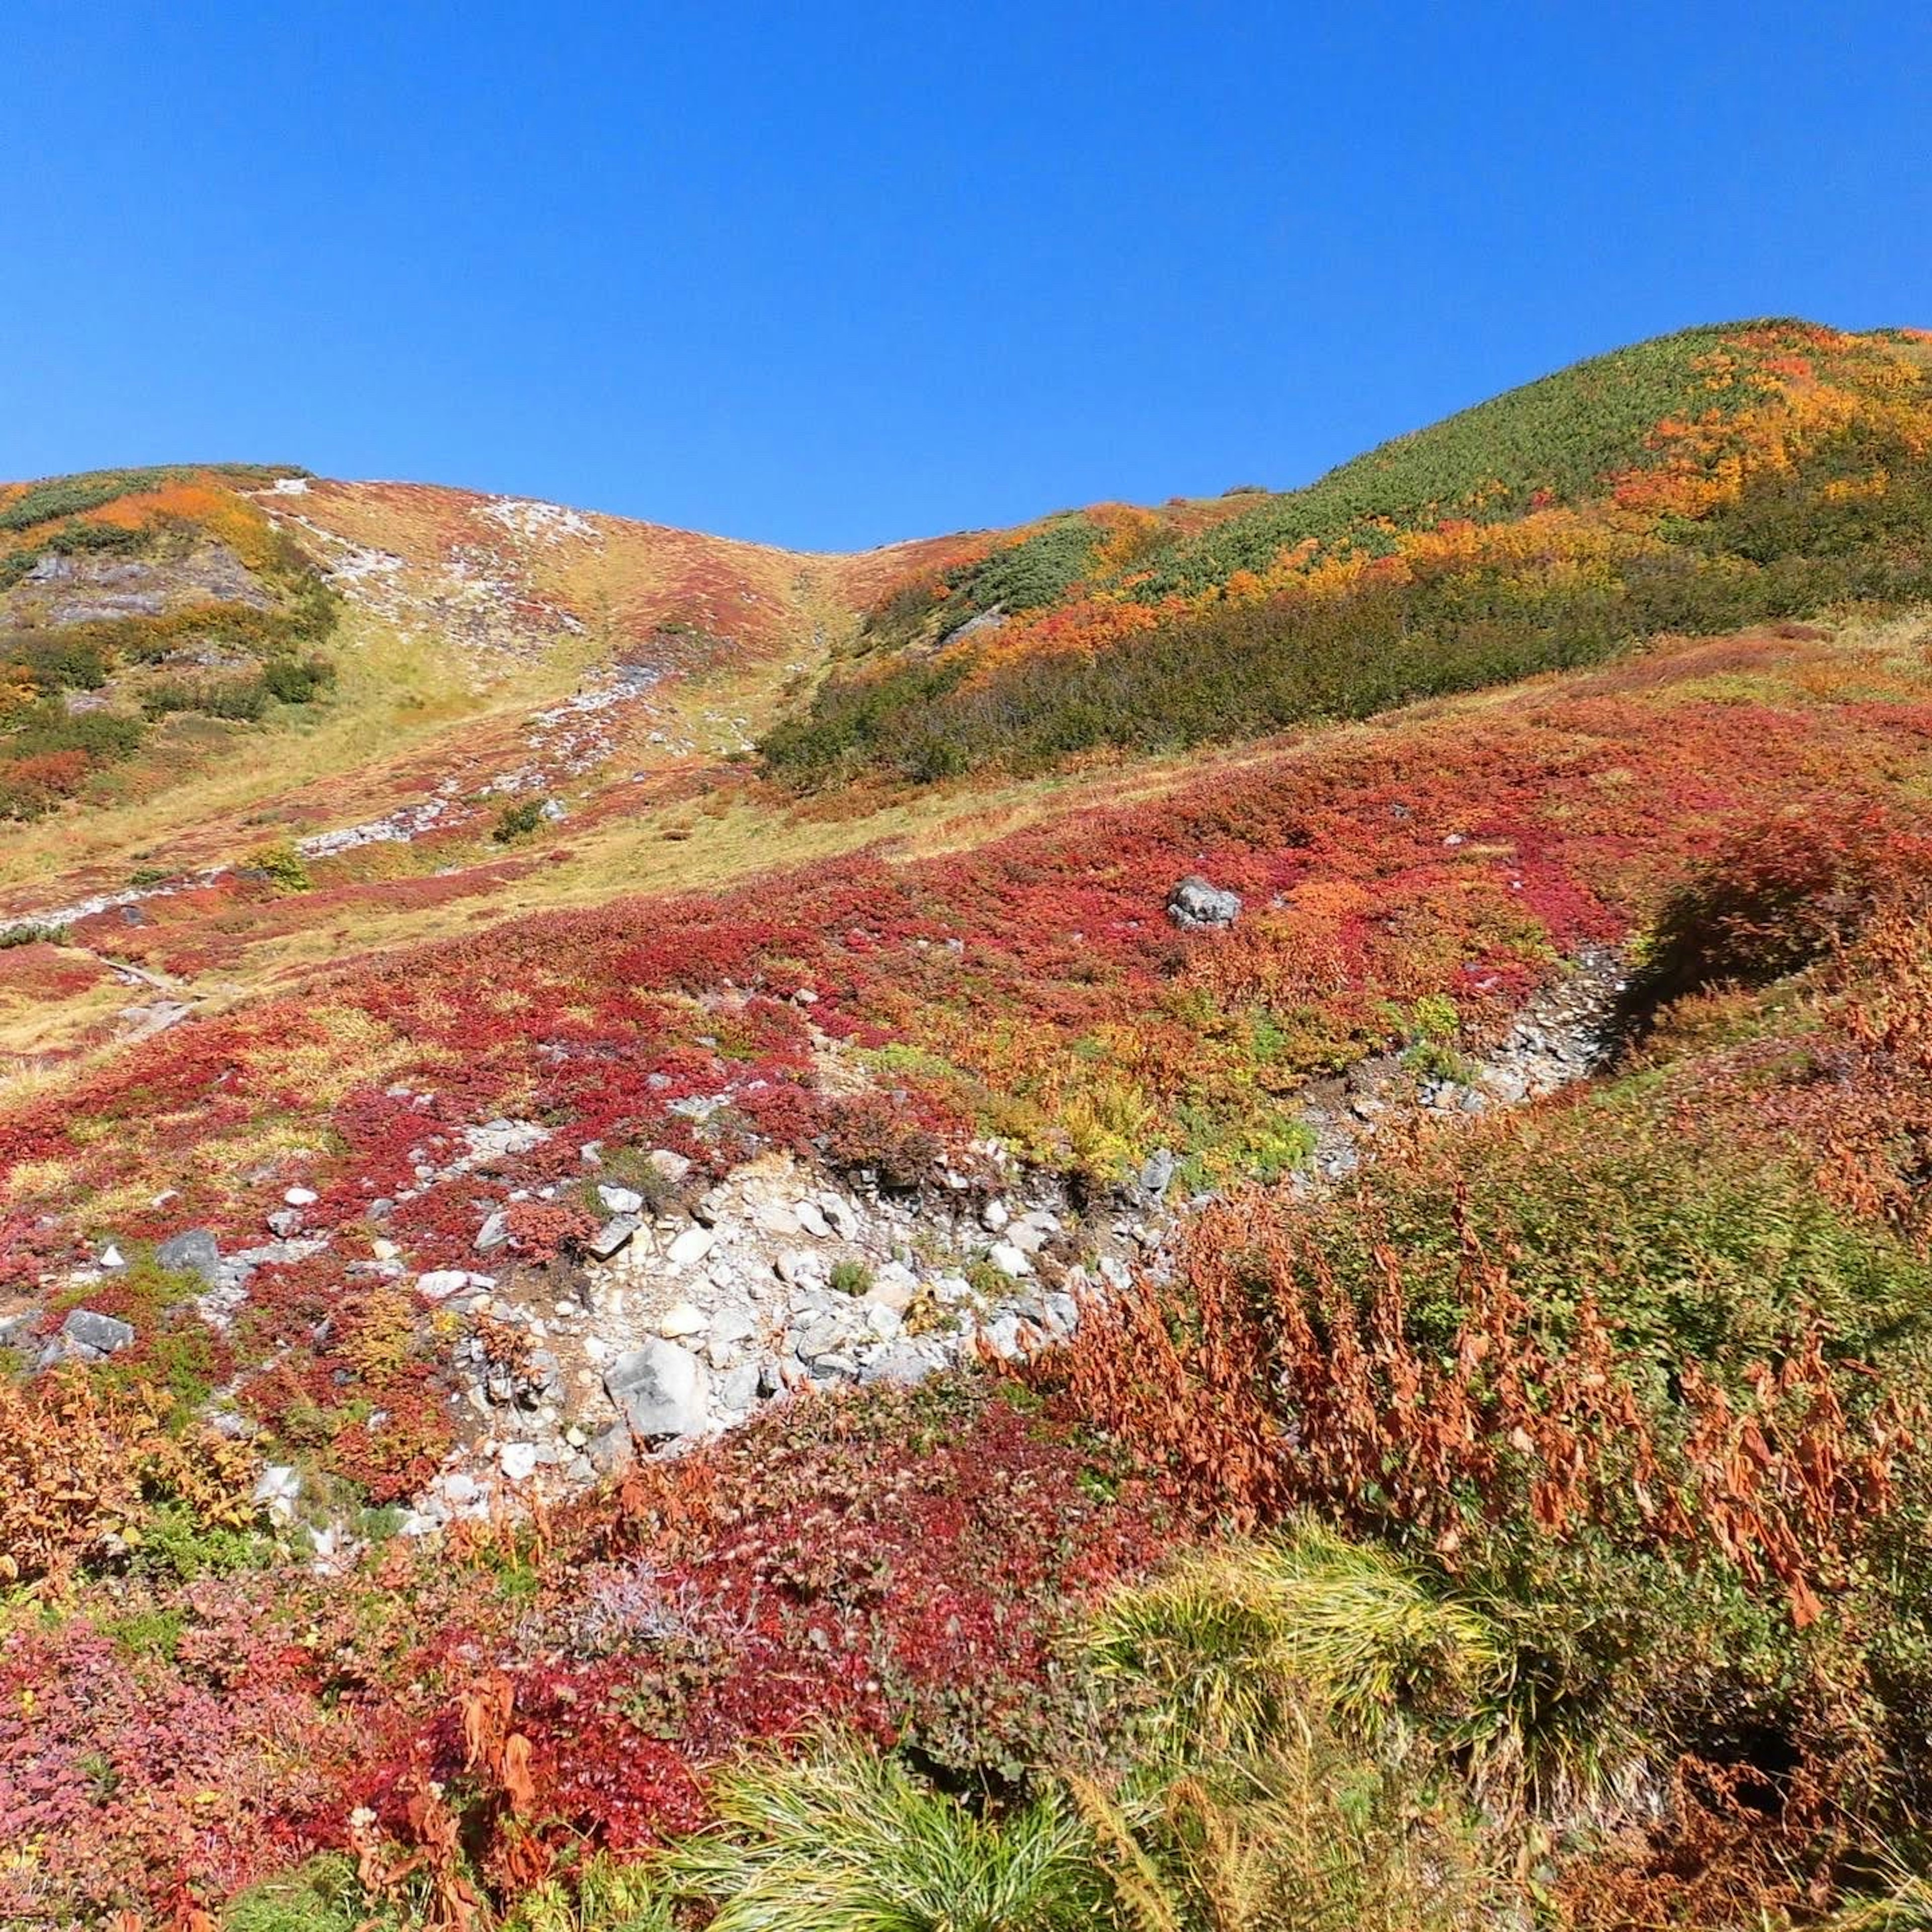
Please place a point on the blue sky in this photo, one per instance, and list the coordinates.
(828, 275)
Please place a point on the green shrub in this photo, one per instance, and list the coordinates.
(72, 495)
(322, 1895)
(75, 539)
(599, 1895)
(298, 680)
(241, 700)
(846, 1839)
(30, 933)
(48, 727)
(60, 660)
(284, 864)
(517, 821)
(851, 1277)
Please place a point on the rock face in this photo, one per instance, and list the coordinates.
(1194, 904)
(661, 1388)
(60, 590)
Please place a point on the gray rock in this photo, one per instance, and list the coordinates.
(193, 1251)
(90, 1335)
(732, 1324)
(285, 1223)
(621, 1200)
(900, 1363)
(615, 1234)
(738, 1388)
(1002, 1334)
(661, 1388)
(611, 1451)
(1194, 904)
(1157, 1173)
(493, 1233)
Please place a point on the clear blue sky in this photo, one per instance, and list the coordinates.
(828, 274)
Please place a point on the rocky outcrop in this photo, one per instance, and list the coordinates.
(1196, 904)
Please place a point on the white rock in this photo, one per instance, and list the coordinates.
(276, 1490)
(439, 1284)
(684, 1319)
(733, 1324)
(384, 1249)
(111, 1257)
(994, 1216)
(811, 1218)
(661, 1389)
(692, 1245)
(839, 1212)
(518, 1461)
(301, 1197)
(1010, 1260)
(673, 1166)
(621, 1200)
(891, 1288)
(798, 1267)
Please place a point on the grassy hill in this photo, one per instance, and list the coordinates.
(1716, 478)
(1463, 1498)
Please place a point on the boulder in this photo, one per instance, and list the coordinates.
(692, 1245)
(193, 1251)
(90, 1335)
(1194, 904)
(661, 1388)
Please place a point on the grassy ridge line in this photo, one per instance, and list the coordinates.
(1707, 480)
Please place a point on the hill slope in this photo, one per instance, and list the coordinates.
(1722, 476)
(1444, 1188)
